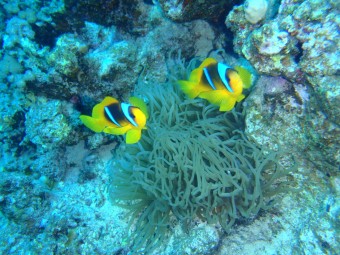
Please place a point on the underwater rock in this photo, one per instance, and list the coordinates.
(18, 31)
(197, 37)
(315, 24)
(271, 108)
(47, 125)
(301, 44)
(286, 116)
(255, 10)
(101, 61)
(50, 167)
(190, 10)
(91, 165)
(21, 41)
(39, 17)
(109, 63)
(64, 56)
(313, 39)
(240, 27)
(22, 202)
(130, 16)
(269, 40)
(326, 90)
(200, 239)
(93, 62)
(270, 45)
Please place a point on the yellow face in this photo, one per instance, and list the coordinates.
(139, 118)
(235, 82)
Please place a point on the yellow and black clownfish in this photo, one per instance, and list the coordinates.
(218, 83)
(113, 117)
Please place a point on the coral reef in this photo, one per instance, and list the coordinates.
(302, 25)
(58, 58)
(274, 105)
(64, 56)
(300, 44)
(187, 10)
(49, 126)
(280, 116)
(127, 16)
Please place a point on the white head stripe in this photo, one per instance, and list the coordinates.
(125, 108)
(222, 69)
(207, 75)
(110, 116)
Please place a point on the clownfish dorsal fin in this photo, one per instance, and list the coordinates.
(137, 102)
(245, 75)
(207, 62)
(98, 109)
(196, 74)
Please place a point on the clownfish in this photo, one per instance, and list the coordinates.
(218, 83)
(113, 117)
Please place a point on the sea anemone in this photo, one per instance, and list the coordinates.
(192, 161)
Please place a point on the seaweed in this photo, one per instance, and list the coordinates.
(192, 161)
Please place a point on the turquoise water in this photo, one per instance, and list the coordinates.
(261, 177)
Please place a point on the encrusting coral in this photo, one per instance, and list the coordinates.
(192, 161)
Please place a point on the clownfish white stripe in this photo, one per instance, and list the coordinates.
(206, 73)
(222, 70)
(110, 116)
(125, 108)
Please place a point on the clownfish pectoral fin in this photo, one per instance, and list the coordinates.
(137, 102)
(117, 130)
(189, 88)
(220, 98)
(196, 74)
(96, 125)
(133, 136)
(245, 75)
(214, 97)
(240, 98)
(227, 104)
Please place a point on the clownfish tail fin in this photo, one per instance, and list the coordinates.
(189, 88)
(245, 75)
(95, 125)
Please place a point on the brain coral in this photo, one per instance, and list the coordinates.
(192, 161)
